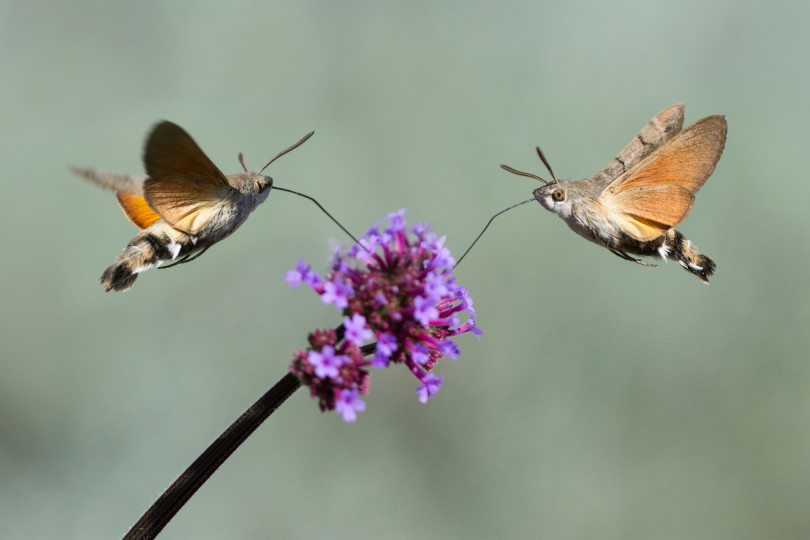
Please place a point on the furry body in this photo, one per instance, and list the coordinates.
(184, 207)
(632, 206)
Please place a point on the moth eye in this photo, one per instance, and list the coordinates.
(558, 195)
(261, 186)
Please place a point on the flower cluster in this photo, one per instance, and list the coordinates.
(396, 288)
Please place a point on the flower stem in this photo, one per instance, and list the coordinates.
(178, 494)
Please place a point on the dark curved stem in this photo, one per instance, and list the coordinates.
(178, 494)
(192, 479)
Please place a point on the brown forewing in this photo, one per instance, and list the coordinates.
(184, 186)
(660, 129)
(687, 160)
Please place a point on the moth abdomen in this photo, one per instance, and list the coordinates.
(150, 248)
(686, 253)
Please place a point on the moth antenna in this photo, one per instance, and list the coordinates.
(488, 223)
(545, 162)
(242, 161)
(356, 241)
(521, 173)
(293, 147)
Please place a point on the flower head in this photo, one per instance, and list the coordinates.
(395, 287)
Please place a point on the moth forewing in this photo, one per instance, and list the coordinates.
(660, 129)
(686, 160)
(186, 204)
(171, 152)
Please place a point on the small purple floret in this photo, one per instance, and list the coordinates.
(356, 331)
(420, 354)
(430, 387)
(336, 292)
(327, 362)
(424, 310)
(295, 277)
(386, 345)
(349, 404)
(449, 348)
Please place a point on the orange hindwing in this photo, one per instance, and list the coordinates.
(136, 209)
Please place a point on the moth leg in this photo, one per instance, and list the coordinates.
(182, 259)
(627, 257)
(185, 259)
(196, 256)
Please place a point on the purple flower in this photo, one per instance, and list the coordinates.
(397, 222)
(349, 404)
(467, 302)
(436, 246)
(421, 230)
(295, 277)
(469, 326)
(436, 285)
(420, 354)
(364, 250)
(424, 310)
(430, 387)
(356, 330)
(326, 362)
(395, 286)
(386, 345)
(336, 292)
(449, 348)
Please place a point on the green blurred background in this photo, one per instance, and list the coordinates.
(606, 400)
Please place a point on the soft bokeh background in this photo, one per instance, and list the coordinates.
(605, 400)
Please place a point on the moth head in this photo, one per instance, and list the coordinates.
(255, 184)
(261, 185)
(251, 184)
(556, 197)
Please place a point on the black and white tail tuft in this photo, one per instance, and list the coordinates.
(144, 251)
(686, 253)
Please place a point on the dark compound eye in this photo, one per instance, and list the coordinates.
(558, 195)
(261, 186)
